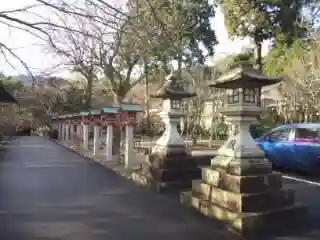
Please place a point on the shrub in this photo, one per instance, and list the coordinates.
(53, 134)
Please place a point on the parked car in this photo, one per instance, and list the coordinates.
(293, 146)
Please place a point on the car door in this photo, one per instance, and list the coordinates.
(306, 147)
(278, 146)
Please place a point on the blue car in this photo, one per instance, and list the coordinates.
(293, 146)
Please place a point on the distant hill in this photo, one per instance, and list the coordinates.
(26, 79)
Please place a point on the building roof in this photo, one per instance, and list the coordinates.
(5, 96)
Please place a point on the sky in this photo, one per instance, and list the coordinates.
(32, 51)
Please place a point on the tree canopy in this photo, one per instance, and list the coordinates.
(278, 20)
(116, 48)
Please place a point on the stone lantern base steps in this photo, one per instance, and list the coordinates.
(168, 168)
(250, 202)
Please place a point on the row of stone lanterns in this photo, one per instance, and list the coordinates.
(77, 126)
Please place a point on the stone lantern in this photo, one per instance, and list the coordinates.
(62, 128)
(67, 127)
(77, 121)
(172, 93)
(72, 126)
(239, 187)
(129, 115)
(85, 116)
(96, 122)
(109, 119)
(170, 164)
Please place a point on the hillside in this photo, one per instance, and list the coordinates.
(26, 79)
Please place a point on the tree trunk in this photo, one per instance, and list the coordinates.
(180, 67)
(89, 92)
(116, 143)
(258, 44)
(146, 94)
(165, 67)
(213, 124)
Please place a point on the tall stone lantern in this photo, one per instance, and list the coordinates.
(172, 93)
(170, 165)
(239, 187)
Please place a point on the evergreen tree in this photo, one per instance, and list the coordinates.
(279, 20)
(174, 30)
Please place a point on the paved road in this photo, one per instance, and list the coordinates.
(47, 192)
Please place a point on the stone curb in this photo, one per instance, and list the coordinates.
(126, 174)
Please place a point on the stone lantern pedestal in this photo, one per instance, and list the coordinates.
(170, 165)
(240, 187)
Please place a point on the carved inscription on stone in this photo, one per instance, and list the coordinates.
(232, 144)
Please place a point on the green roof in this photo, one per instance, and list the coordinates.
(131, 107)
(84, 113)
(95, 112)
(110, 110)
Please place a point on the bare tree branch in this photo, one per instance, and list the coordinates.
(26, 8)
(4, 47)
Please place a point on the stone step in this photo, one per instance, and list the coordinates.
(241, 167)
(241, 184)
(247, 223)
(160, 186)
(247, 202)
(202, 159)
(168, 175)
(171, 162)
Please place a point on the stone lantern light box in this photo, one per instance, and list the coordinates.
(240, 187)
(85, 117)
(77, 118)
(73, 122)
(109, 115)
(95, 116)
(68, 118)
(129, 113)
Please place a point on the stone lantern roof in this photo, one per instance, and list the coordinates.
(172, 90)
(244, 76)
(6, 97)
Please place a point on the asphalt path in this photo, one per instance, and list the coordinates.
(48, 192)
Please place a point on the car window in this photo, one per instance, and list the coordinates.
(279, 135)
(307, 133)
